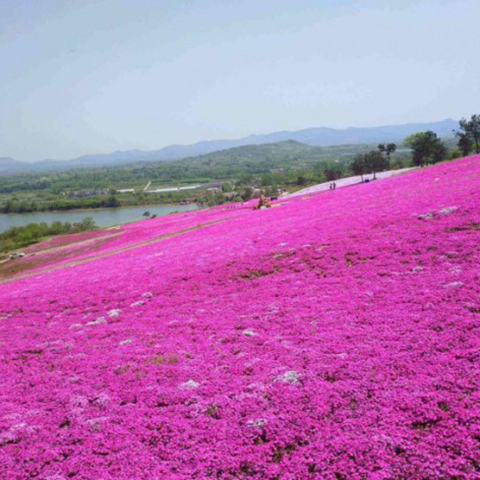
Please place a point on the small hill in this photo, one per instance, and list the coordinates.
(8, 164)
(334, 335)
(278, 151)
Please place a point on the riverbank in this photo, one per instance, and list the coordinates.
(103, 217)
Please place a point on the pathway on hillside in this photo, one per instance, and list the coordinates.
(345, 182)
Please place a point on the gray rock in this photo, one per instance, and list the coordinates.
(190, 384)
(98, 321)
(291, 377)
(447, 210)
(454, 285)
(258, 422)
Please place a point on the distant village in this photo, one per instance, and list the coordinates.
(213, 187)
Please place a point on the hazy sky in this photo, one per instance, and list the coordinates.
(92, 76)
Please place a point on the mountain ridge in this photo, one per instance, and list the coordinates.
(313, 136)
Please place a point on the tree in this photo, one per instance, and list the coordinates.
(455, 153)
(227, 187)
(247, 193)
(271, 191)
(112, 201)
(245, 178)
(464, 143)
(332, 171)
(85, 225)
(358, 166)
(8, 207)
(469, 134)
(375, 162)
(426, 148)
(387, 149)
(301, 180)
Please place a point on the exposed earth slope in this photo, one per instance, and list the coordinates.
(333, 336)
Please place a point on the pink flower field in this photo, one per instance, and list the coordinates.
(61, 240)
(335, 336)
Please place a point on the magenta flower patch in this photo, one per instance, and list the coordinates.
(333, 336)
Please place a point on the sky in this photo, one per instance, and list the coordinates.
(96, 76)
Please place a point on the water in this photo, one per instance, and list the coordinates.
(103, 217)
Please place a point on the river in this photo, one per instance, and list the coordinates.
(103, 217)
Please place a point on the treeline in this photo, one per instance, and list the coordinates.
(374, 161)
(19, 237)
(25, 206)
(426, 149)
(272, 184)
(137, 198)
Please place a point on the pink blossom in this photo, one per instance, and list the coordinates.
(361, 358)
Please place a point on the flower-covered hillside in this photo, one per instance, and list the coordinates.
(66, 249)
(335, 336)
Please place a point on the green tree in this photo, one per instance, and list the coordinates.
(455, 153)
(271, 191)
(426, 148)
(464, 143)
(301, 180)
(332, 171)
(227, 187)
(469, 134)
(387, 149)
(246, 193)
(375, 162)
(85, 225)
(56, 227)
(358, 166)
(112, 201)
(8, 207)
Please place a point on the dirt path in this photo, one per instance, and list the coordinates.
(113, 252)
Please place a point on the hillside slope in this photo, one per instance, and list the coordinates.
(334, 336)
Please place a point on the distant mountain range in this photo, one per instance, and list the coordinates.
(317, 136)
